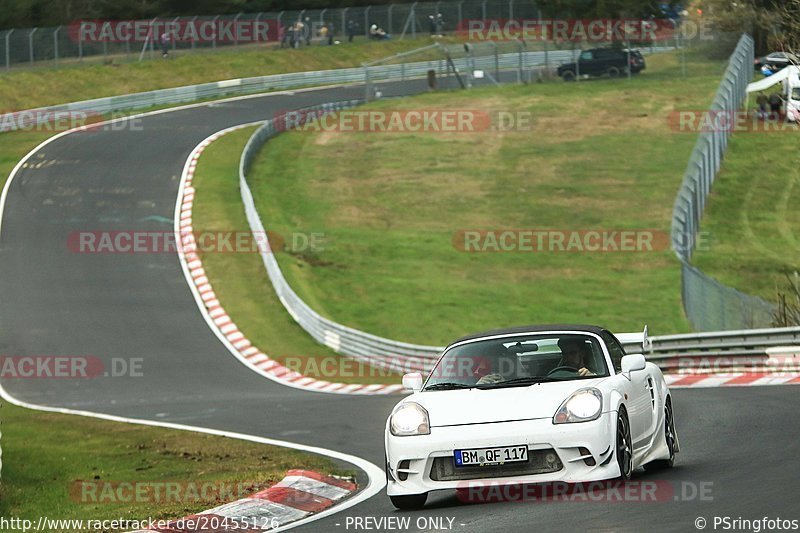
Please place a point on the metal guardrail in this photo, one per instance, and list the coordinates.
(726, 351)
(35, 117)
(710, 305)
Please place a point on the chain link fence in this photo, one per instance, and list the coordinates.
(141, 39)
(472, 63)
(710, 305)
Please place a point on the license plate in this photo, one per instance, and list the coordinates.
(491, 456)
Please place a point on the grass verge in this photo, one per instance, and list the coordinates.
(751, 222)
(28, 88)
(46, 454)
(240, 280)
(599, 155)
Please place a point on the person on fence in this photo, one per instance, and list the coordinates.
(322, 33)
(377, 33)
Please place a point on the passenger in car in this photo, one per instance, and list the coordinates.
(504, 366)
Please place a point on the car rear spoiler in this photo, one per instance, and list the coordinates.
(635, 342)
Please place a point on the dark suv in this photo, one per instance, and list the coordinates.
(602, 61)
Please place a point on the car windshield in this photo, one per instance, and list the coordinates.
(518, 361)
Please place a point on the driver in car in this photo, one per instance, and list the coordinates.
(574, 354)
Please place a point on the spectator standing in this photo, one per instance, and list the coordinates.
(287, 39)
(299, 31)
(775, 102)
(308, 31)
(331, 28)
(164, 44)
(351, 29)
(762, 102)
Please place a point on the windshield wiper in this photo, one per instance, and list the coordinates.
(531, 380)
(447, 386)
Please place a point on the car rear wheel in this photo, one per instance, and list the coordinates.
(409, 502)
(568, 75)
(624, 447)
(613, 72)
(669, 436)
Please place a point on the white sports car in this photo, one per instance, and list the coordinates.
(528, 405)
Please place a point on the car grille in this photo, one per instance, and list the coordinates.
(444, 469)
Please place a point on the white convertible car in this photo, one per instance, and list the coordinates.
(529, 405)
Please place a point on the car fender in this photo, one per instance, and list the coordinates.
(614, 400)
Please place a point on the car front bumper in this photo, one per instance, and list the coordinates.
(583, 452)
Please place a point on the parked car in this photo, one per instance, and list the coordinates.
(776, 61)
(603, 61)
(560, 403)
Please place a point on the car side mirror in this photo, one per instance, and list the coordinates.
(412, 381)
(633, 362)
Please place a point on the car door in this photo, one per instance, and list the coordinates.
(605, 61)
(642, 395)
(586, 63)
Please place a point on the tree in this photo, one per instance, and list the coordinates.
(787, 27)
(768, 21)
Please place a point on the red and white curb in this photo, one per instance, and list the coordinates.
(731, 379)
(301, 493)
(215, 314)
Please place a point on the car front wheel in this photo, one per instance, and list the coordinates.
(624, 448)
(568, 75)
(669, 436)
(409, 502)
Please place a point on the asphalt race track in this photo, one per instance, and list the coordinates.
(740, 442)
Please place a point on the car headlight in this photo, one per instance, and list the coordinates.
(409, 419)
(583, 405)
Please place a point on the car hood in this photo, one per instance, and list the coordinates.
(479, 406)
